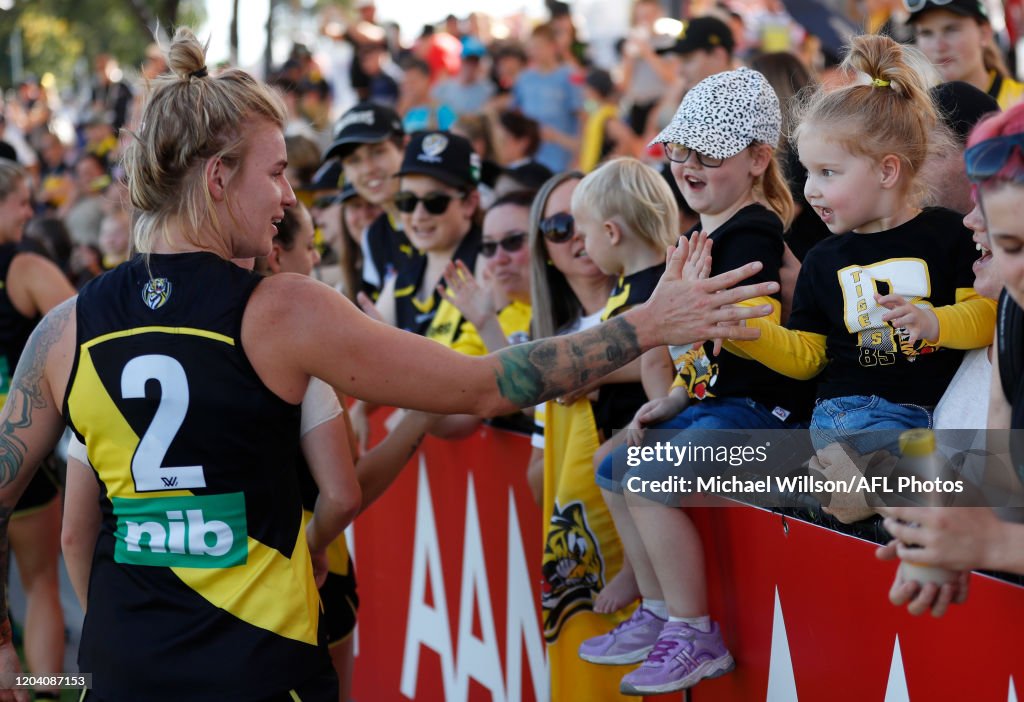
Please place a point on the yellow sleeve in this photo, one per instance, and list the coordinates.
(796, 354)
(468, 342)
(968, 324)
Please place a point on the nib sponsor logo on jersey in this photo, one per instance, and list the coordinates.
(207, 531)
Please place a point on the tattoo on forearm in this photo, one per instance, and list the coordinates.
(538, 371)
(26, 394)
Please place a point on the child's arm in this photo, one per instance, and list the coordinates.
(793, 353)
(657, 372)
(656, 411)
(967, 324)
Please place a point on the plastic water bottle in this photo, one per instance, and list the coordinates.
(922, 460)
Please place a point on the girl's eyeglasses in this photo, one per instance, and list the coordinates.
(677, 153)
(512, 242)
(558, 228)
(987, 158)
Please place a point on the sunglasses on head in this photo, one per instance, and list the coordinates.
(986, 159)
(512, 242)
(915, 5)
(677, 153)
(434, 203)
(558, 228)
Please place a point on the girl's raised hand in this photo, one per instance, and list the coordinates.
(920, 322)
(697, 265)
(462, 290)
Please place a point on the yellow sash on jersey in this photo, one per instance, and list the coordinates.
(269, 590)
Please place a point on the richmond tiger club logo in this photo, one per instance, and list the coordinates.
(699, 372)
(573, 568)
(156, 293)
(432, 148)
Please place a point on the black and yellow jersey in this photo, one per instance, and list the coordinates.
(417, 316)
(201, 584)
(514, 319)
(752, 234)
(617, 403)
(388, 251)
(837, 326)
(1005, 90)
(15, 328)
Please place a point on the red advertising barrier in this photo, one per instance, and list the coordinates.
(449, 564)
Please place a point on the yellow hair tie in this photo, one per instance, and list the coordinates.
(879, 83)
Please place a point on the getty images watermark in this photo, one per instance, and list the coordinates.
(787, 468)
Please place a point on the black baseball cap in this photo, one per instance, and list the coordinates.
(327, 177)
(964, 8)
(366, 123)
(530, 175)
(443, 156)
(962, 106)
(705, 33)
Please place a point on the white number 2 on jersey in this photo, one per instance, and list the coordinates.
(148, 470)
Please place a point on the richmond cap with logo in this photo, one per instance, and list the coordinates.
(724, 113)
(366, 123)
(443, 156)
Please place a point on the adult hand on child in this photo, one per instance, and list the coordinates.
(920, 322)
(840, 462)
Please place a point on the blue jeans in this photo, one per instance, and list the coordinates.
(866, 422)
(700, 418)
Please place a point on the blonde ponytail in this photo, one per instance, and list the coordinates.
(886, 110)
(189, 118)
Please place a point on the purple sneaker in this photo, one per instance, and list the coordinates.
(629, 642)
(681, 658)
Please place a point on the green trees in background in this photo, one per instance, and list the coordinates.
(54, 35)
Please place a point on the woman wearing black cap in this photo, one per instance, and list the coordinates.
(956, 36)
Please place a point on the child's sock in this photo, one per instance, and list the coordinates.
(698, 623)
(656, 607)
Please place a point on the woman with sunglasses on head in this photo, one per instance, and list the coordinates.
(972, 538)
(182, 375)
(957, 38)
(570, 292)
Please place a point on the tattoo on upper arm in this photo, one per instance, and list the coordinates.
(535, 372)
(26, 394)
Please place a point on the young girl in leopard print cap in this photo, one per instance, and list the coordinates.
(721, 145)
